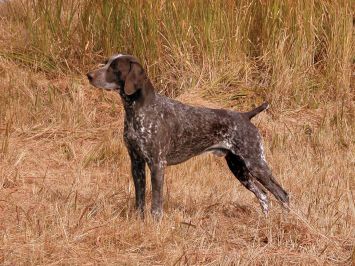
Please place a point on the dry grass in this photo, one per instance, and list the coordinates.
(66, 195)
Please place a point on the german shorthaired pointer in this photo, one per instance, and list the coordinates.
(160, 131)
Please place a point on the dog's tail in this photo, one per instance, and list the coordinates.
(257, 110)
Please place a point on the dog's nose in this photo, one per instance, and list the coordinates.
(90, 76)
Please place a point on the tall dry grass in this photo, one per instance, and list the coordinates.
(296, 52)
(66, 195)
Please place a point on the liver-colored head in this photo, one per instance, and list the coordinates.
(120, 72)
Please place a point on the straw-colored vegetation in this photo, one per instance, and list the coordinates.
(66, 195)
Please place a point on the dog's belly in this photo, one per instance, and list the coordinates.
(181, 155)
(176, 157)
(189, 141)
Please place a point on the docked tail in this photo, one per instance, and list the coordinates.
(257, 110)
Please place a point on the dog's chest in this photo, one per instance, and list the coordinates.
(140, 132)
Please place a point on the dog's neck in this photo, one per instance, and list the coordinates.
(142, 97)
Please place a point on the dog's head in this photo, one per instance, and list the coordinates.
(122, 73)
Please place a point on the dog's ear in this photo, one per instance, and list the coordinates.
(134, 79)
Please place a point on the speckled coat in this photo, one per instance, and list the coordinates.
(160, 131)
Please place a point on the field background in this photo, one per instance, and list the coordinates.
(66, 195)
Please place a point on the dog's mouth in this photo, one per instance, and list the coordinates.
(106, 88)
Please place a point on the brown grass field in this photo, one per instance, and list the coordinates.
(66, 194)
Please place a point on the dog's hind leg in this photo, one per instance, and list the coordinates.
(252, 153)
(262, 173)
(240, 171)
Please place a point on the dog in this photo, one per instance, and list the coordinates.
(160, 131)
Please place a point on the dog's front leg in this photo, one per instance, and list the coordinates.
(138, 174)
(157, 176)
